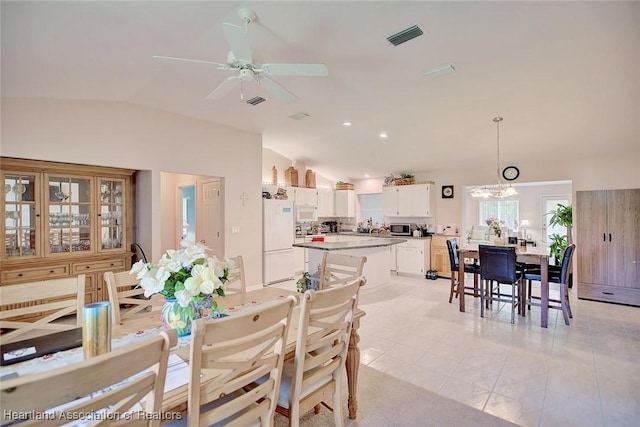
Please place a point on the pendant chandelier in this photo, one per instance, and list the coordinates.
(500, 189)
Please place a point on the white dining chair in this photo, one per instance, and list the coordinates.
(128, 380)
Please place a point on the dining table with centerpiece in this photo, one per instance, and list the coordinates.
(527, 254)
(151, 323)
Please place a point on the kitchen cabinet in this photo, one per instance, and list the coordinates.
(440, 255)
(345, 203)
(326, 202)
(298, 256)
(408, 200)
(393, 257)
(413, 257)
(305, 196)
(62, 220)
(607, 250)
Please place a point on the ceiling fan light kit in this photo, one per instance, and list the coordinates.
(240, 59)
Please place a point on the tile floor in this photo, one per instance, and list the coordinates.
(584, 374)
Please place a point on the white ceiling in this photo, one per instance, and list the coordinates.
(564, 75)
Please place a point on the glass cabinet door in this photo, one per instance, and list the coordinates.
(111, 216)
(21, 223)
(69, 208)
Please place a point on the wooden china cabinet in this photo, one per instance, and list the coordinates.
(65, 219)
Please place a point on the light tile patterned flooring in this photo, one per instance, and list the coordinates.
(584, 374)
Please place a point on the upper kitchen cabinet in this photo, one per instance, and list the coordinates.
(305, 196)
(64, 219)
(345, 203)
(326, 202)
(408, 200)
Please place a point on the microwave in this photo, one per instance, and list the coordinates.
(400, 229)
(306, 213)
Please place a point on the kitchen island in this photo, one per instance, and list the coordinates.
(377, 268)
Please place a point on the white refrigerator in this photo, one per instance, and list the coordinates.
(278, 230)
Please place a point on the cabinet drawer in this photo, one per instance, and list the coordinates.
(606, 293)
(36, 273)
(84, 267)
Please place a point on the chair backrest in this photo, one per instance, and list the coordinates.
(235, 279)
(40, 306)
(107, 385)
(565, 269)
(234, 352)
(452, 247)
(339, 269)
(123, 289)
(323, 336)
(498, 263)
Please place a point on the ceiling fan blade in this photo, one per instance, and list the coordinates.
(275, 89)
(196, 61)
(239, 42)
(319, 70)
(224, 88)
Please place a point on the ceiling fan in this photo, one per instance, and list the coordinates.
(240, 60)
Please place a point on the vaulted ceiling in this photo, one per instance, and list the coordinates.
(564, 75)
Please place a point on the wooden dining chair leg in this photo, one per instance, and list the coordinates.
(453, 286)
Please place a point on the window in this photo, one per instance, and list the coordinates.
(505, 210)
(371, 207)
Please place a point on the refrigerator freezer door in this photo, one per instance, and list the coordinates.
(278, 266)
(279, 224)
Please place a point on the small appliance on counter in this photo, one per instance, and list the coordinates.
(332, 226)
(404, 229)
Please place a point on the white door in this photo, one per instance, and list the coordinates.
(209, 218)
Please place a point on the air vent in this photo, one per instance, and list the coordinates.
(255, 100)
(405, 35)
(299, 116)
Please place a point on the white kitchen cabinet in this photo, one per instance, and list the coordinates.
(408, 200)
(414, 257)
(345, 203)
(298, 256)
(326, 202)
(305, 196)
(393, 257)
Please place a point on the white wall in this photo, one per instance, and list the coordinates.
(129, 136)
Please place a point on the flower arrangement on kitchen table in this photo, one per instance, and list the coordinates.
(188, 279)
(494, 223)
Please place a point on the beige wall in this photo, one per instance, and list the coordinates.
(125, 135)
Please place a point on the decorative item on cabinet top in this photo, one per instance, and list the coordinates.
(343, 186)
(404, 179)
(392, 184)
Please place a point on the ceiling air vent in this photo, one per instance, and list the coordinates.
(255, 100)
(405, 35)
(299, 116)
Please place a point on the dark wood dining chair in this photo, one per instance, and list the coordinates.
(557, 274)
(498, 263)
(452, 247)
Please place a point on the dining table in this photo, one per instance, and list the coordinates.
(526, 254)
(149, 323)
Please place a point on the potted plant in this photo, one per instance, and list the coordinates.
(562, 216)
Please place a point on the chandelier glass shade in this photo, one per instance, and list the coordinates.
(500, 189)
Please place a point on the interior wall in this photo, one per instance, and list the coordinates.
(124, 135)
(271, 158)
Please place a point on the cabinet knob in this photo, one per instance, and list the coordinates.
(87, 266)
(51, 271)
(19, 274)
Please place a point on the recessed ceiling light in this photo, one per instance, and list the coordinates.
(383, 135)
(346, 124)
(439, 71)
(366, 175)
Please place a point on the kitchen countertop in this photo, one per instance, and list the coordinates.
(372, 235)
(360, 244)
